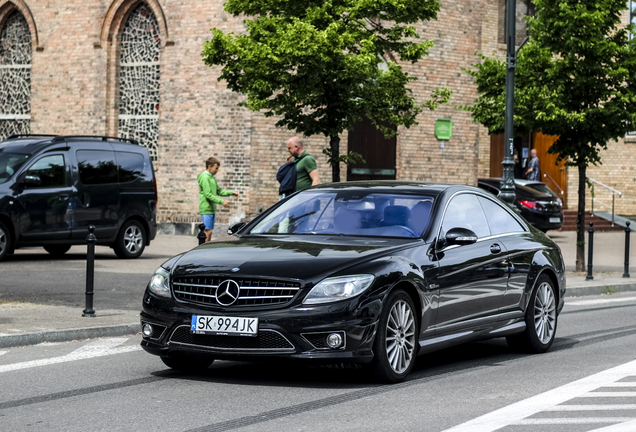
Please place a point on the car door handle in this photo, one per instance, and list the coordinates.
(63, 197)
(495, 248)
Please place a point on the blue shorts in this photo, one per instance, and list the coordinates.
(208, 221)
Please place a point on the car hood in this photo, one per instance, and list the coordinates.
(288, 257)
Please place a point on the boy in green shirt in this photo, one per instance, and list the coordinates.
(210, 195)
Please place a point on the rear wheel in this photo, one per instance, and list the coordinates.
(187, 364)
(5, 240)
(57, 250)
(395, 343)
(131, 240)
(541, 320)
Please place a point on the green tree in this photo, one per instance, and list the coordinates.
(574, 79)
(323, 65)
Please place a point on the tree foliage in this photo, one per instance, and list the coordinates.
(574, 79)
(323, 65)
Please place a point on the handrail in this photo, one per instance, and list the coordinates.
(614, 192)
(605, 186)
(554, 182)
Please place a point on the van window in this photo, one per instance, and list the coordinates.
(96, 166)
(130, 166)
(9, 164)
(51, 170)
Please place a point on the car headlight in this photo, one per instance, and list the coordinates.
(160, 283)
(338, 288)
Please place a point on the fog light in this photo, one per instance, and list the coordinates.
(334, 340)
(147, 330)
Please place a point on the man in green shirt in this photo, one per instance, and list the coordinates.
(210, 195)
(306, 168)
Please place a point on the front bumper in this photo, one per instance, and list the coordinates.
(296, 333)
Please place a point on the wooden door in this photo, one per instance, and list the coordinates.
(553, 174)
(496, 155)
(377, 151)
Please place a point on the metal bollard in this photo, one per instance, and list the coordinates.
(590, 251)
(201, 235)
(627, 231)
(90, 272)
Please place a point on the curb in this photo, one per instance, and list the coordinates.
(68, 335)
(609, 288)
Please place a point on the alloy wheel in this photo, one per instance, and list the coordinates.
(133, 239)
(400, 336)
(545, 313)
(3, 241)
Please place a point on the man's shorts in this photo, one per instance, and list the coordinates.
(208, 221)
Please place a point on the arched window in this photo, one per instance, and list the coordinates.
(139, 78)
(15, 76)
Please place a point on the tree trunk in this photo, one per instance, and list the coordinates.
(334, 144)
(580, 222)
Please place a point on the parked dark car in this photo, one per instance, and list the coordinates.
(544, 210)
(364, 273)
(52, 188)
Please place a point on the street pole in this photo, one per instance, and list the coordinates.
(507, 180)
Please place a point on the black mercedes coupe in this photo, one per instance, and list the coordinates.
(363, 273)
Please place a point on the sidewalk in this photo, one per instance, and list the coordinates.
(28, 323)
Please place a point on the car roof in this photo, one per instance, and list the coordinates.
(525, 190)
(30, 144)
(397, 186)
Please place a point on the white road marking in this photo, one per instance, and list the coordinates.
(592, 407)
(566, 421)
(599, 301)
(97, 348)
(3, 352)
(607, 394)
(525, 408)
(622, 427)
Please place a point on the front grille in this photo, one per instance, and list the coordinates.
(252, 291)
(266, 340)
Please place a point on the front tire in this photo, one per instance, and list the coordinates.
(57, 250)
(131, 240)
(541, 320)
(187, 364)
(395, 345)
(5, 241)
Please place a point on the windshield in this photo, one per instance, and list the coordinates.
(9, 164)
(350, 212)
(542, 188)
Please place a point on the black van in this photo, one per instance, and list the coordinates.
(52, 188)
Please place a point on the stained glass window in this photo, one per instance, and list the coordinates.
(15, 76)
(139, 79)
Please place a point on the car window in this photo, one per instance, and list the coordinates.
(129, 166)
(51, 170)
(464, 211)
(9, 164)
(499, 220)
(96, 166)
(355, 212)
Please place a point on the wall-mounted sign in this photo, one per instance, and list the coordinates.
(444, 128)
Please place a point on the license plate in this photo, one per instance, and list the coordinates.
(224, 325)
(555, 220)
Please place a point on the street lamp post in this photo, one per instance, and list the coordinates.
(507, 180)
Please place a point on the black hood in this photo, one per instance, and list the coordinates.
(288, 257)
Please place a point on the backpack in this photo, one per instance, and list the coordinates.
(286, 176)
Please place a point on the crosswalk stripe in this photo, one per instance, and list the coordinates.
(607, 394)
(3, 352)
(599, 301)
(521, 410)
(566, 421)
(592, 407)
(629, 426)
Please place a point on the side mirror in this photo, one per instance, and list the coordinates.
(460, 236)
(32, 180)
(236, 227)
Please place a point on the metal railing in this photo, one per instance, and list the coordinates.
(556, 185)
(611, 189)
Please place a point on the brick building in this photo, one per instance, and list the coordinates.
(133, 68)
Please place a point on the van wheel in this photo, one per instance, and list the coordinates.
(5, 240)
(57, 250)
(131, 240)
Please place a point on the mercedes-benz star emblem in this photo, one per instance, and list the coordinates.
(227, 292)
